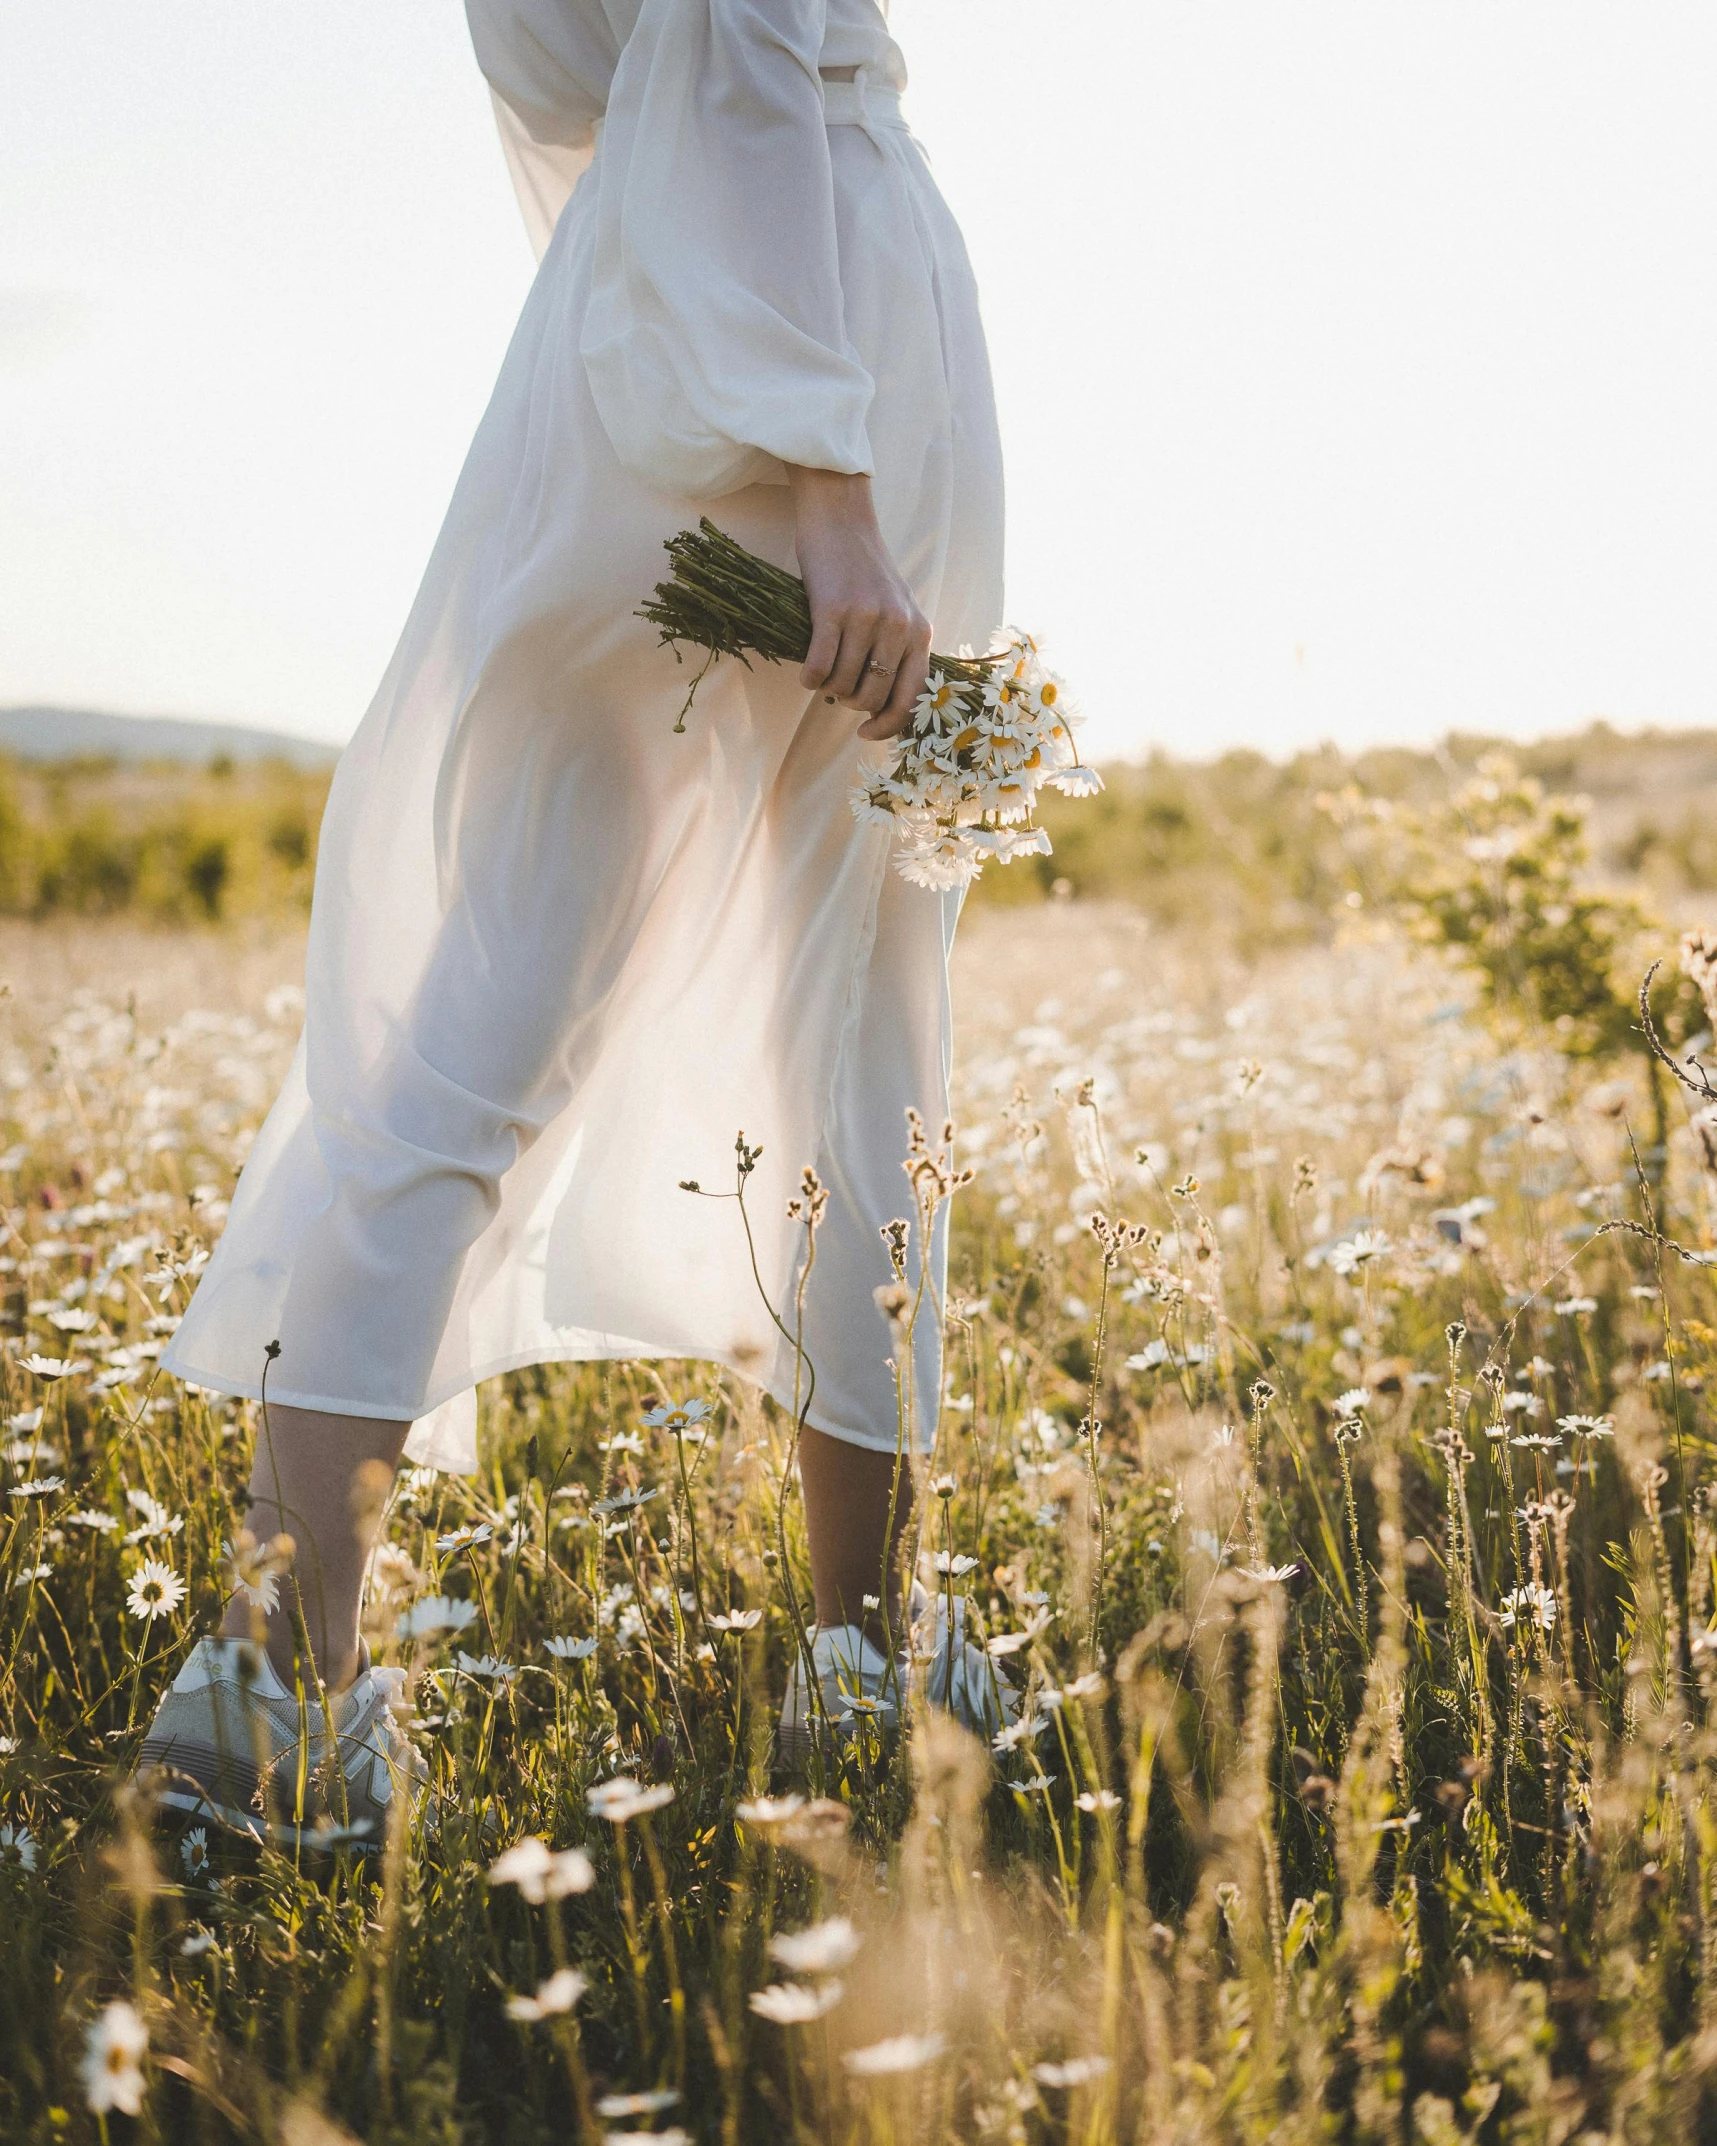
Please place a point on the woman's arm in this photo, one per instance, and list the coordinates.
(870, 643)
(714, 340)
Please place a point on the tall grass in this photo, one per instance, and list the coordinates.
(1329, 1355)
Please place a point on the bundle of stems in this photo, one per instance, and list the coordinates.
(985, 734)
(723, 598)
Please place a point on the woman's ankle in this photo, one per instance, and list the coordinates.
(334, 1669)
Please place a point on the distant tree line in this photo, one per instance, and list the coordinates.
(162, 840)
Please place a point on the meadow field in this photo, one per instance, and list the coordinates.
(1326, 1458)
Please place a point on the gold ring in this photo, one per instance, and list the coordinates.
(887, 669)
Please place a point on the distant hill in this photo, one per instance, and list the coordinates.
(86, 734)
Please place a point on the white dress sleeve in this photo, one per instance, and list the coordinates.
(714, 340)
(548, 65)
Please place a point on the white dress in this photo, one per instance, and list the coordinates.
(560, 957)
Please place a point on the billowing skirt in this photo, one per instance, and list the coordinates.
(561, 957)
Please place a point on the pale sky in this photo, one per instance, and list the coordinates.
(1356, 361)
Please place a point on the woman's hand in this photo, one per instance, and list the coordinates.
(870, 643)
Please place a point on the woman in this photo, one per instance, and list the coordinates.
(559, 955)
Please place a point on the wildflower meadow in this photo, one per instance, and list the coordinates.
(1325, 1459)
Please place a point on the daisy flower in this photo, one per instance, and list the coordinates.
(255, 1568)
(541, 1872)
(113, 2060)
(901, 2052)
(791, 2004)
(18, 1845)
(156, 1590)
(680, 1417)
(558, 1994)
(623, 1798)
(820, 1950)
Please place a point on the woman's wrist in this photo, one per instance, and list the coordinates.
(822, 496)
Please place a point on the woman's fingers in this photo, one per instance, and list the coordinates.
(907, 685)
(858, 638)
(881, 668)
(880, 665)
(820, 657)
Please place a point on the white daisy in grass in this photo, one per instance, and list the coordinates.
(541, 1872)
(558, 1994)
(623, 1798)
(194, 1852)
(18, 1845)
(468, 1537)
(1531, 1604)
(766, 1811)
(954, 1565)
(1359, 1251)
(487, 1668)
(153, 1518)
(1587, 1426)
(625, 1501)
(820, 1950)
(114, 2048)
(1077, 2071)
(255, 1568)
(679, 1418)
(37, 1486)
(794, 2004)
(900, 2053)
(435, 1613)
(742, 1620)
(156, 1590)
(99, 1523)
(567, 1647)
(651, 2102)
(1019, 1732)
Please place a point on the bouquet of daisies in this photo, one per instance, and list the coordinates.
(988, 732)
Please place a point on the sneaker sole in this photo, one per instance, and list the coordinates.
(209, 1785)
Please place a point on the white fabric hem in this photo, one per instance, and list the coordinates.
(434, 1452)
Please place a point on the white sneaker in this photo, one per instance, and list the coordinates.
(228, 1742)
(961, 1678)
(857, 1682)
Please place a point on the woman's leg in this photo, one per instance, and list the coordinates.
(324, 1481)
(848, 1490)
